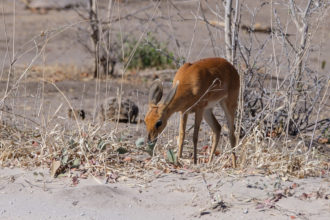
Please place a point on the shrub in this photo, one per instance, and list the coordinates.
(150, 53)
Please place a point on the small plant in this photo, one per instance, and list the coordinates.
(150, 53)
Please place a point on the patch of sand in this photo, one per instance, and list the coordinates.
(184, 195)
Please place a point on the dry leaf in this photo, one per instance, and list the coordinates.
(84, 175)
(304, 196)
(112, 178)
(294, 185)
(204, 148)
(54, 167)
(323, 140)
(75, 180)
(128, 159)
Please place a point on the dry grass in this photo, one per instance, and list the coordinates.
(116, 156)
(92, 150)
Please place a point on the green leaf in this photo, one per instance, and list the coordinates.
(76, 163)
(323, 64)
(150, 148)
(101, 145)
(122, 150)
(139, 142)
(65, 159)
(72, 144)
(171, 156)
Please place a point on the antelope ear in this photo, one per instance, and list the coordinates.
(170, 95)
(155, 92)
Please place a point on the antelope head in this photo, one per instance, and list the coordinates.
(159, 112)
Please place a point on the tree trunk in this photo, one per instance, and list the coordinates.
(228, 30)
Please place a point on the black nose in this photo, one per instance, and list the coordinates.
(151, 141)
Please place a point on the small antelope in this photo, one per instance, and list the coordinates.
(197, 87)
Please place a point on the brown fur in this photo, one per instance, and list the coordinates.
(199, 84)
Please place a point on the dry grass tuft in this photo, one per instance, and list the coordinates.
(115, 155)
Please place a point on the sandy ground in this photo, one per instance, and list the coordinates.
(182, 195)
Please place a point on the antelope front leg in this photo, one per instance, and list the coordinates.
(182, 131)
(198, 120)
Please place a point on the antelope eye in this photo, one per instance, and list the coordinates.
(158, 124)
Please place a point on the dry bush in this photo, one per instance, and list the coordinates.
(282, 115)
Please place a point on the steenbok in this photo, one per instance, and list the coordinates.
(197, 87)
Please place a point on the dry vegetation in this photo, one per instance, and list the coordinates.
(283, 118)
